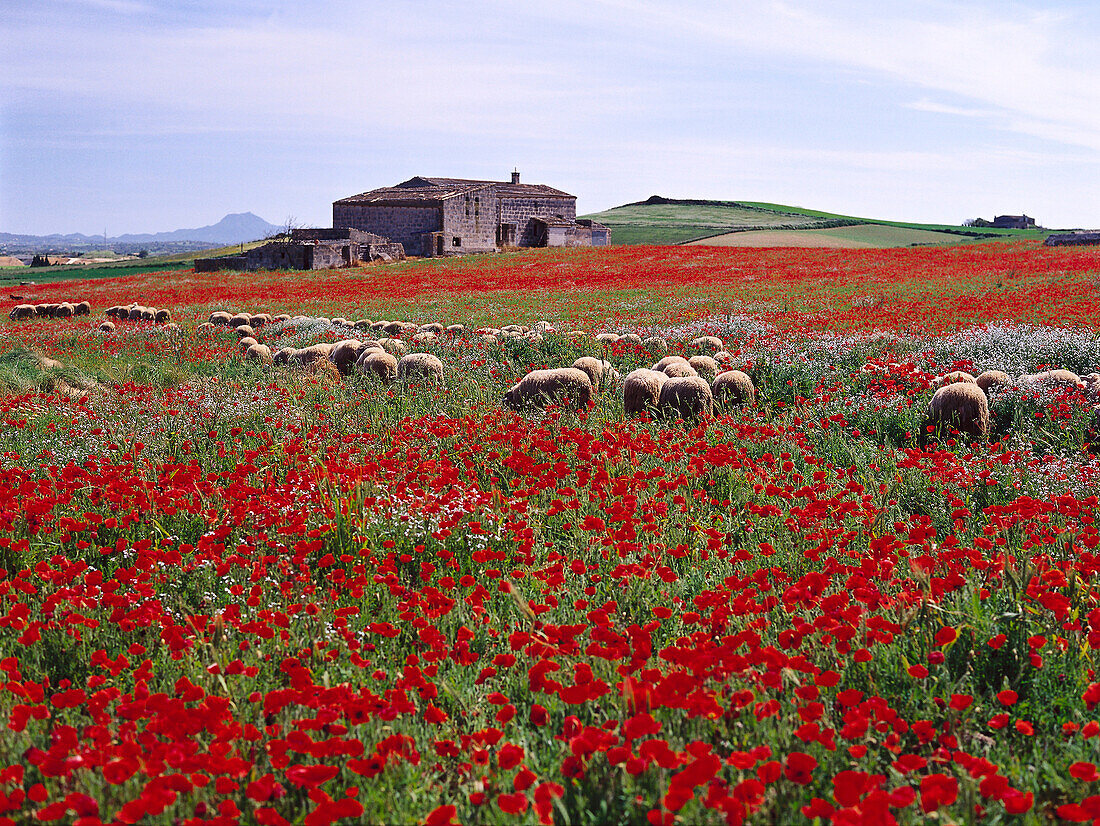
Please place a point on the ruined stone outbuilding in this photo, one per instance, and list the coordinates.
(454, 216)
(310, 249)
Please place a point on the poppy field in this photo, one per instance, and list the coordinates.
(235, 592)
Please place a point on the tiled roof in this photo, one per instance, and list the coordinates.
(421, 190)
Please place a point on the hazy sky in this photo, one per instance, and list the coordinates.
(140, 115)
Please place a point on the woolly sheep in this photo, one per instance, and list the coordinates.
(1051, 378)
(514, 328)
(106, 326)
(733, 388)
(707, 344)
(346, 353)
(221, 318)
(421, 367)
(489, 338)
(576, 335)
(162, 316)
(118, 311)
(686, 398)
(341, 322)
(666, 361)
(543, 327)
(148, 313)
(64, 310)
(679, 370)
(44, 309)
(607, 339)
(961, 405)
(630, 338)
(259, 352)
(542, 387)
(206, 327)
(705, 366)
(456, 329)
(377, 363)
(425, 338)
(282, 356)
(642, 390)
(954, 376)
(993, 378)
(244, 330)
(393, 346)
(82, 308)
(259, 320)
(240, 320)
(20, 311)
(434, 327)
(393, 329)
(655, 344)
(134, 313)
(362, 324)
(379, 326)
(308, 355)
(601, 373)
(723, 357)
(280, 318)
(246, 342)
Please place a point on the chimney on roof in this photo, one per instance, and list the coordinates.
(515, 176)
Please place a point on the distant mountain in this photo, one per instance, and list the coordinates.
(235, 228)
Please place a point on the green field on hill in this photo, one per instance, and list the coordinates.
(662, 221)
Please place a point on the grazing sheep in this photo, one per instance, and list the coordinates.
(534, 338)
(679, 370)
(723, 357)
(379, 326)
(705, 366)
(21, 311)
(577, 335)
(117, 311)
(393, 329)
(259, 352)
(64, 310)
(542, 387)
(246, 342)
(393, 346)
(43, 310)
(206, 327)
(282, 356)
(600, 372)
(134, 313)
(655, 345)
(630, 338)
(666, 361)
(456, 329)
(1051, 378)
(148, 313)
(259, 320)
(993, 378)
(341, 322)
(82, 308)
(162, 316)
(106, 327)
(422, 367)
(514, 328)
(961, 405)
(425, 338)
(220, 318)
(642, 391)
(346, 353)
(379, 364)
(1092, 383)
(308, 355)
(707, 344)
(50, 310)
(510, 334)
(240, 320)
(434, 327)
(952, 377)
(244, 330)
(607, 339)
(362, 324)
(688, 397)
(489, 338)
(733, 388)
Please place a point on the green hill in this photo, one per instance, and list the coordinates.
(664, 221)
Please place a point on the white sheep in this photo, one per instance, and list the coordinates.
(686, 397)
(642, 390)
(600, 372)
(989, 379)
(733, 388)
(705, 366)
(542, 387)
(259, 352)
(962, 406)
(1051, 379)
(707, 344)
(345, 353)
(655, 345)
(379, 364)
(420, 367)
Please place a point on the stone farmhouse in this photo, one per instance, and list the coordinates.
(454, 216)
(1013, 222)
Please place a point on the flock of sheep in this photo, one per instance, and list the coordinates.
(676, 386)
(962, 401)
(65, 309)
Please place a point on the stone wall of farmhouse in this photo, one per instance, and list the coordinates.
(404, 224)
(472, 219)
(520, 211)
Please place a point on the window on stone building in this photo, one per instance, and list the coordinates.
(456, 241)
(467, 206)
(477, 207)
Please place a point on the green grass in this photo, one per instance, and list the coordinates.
(677, 222)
